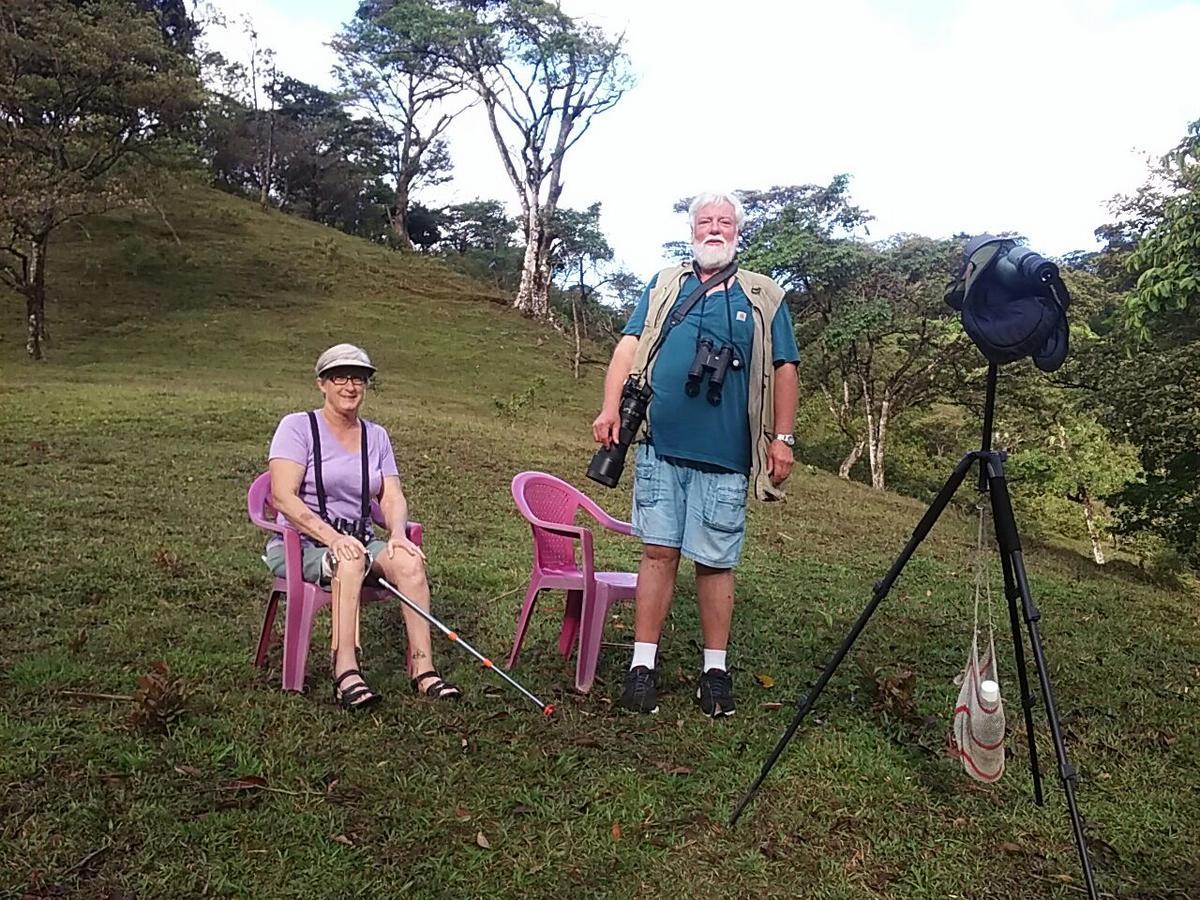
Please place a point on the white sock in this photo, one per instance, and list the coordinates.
(713, 659)
(643, 654)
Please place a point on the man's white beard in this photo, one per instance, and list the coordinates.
(711, 257)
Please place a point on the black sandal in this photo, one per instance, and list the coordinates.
(439, 690)
(356, 697)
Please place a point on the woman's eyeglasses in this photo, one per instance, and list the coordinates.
(356, 380)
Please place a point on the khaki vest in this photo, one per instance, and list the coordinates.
(765, 296)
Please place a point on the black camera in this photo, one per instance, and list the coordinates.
(609, 462)
(359, 529)
(713, 362)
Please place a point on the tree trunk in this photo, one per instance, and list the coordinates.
(851, 458)
(881, 428)
(575, 317)
(876, 435)
(1089, 518)
(533, 295)
(399, 218)
(35, 301)
(264, 194)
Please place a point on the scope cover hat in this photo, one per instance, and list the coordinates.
(1010, 320)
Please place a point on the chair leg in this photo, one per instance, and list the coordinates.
(531, 596)
(298, 623)
(570, 625)
(595, 609)
(264, 639)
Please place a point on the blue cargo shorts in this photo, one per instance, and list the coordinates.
(701, 513)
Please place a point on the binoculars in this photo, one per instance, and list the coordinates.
(713, 362)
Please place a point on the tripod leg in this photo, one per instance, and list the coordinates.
(1028, 701)
(1010, 547)
(882, 587)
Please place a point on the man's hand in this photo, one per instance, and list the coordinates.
(607, 427)
(780, 460)
(400, 543)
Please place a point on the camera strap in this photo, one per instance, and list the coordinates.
(682, 309)
(320, 482)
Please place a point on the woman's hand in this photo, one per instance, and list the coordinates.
(345, 548)
(400, 543)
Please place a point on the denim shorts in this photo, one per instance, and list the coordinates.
(314, 570)
(701, 513)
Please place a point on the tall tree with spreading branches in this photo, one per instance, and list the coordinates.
(542, 77)
(90, 102)
(393, 66)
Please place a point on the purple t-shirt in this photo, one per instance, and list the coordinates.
(341, 469)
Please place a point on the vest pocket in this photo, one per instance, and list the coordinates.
(725, 507)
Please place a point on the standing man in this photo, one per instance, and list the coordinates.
(716, 345)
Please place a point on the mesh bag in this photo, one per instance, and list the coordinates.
(978, 718)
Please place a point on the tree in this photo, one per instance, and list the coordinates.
(329, 166)
(90, 97)
(542, 77)
(577, 247)
(886, 341)
(1150, 371)
(1076, 462)
(1166, 259)
(391, 67)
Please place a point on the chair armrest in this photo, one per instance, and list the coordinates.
(267, 525)
(618, 526)
(606, 521)
(578, 532)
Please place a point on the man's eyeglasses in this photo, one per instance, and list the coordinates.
(356, 380)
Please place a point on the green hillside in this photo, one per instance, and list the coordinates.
(125, 458)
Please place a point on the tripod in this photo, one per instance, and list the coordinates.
(1016, 587)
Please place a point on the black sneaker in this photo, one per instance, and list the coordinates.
(641, 691)
(714, 693)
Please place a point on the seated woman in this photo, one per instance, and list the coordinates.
(326, 465)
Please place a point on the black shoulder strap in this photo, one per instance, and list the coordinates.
(685, 307)
(316, 442)
(366, 478)
(703, 288)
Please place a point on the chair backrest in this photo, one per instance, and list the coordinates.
(550, 499)
(258, 503)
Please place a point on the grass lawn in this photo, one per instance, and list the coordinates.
(125, 545)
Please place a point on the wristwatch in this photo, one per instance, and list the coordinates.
(789, 439)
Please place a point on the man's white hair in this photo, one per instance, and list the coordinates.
(710, 197)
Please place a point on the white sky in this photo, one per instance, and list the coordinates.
(1026, 115)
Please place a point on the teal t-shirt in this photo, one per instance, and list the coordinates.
(691, 428)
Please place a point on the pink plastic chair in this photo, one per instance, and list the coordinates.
(303, 599)
(550, 505)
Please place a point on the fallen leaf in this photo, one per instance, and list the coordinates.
(189, 771)
(461, 812)
(1009, 847)
(342, 839)
(246, 783)
(772, 704)
(680, 770)
(764, 680)
(616, 831)
(585, 740)
(482, 841)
